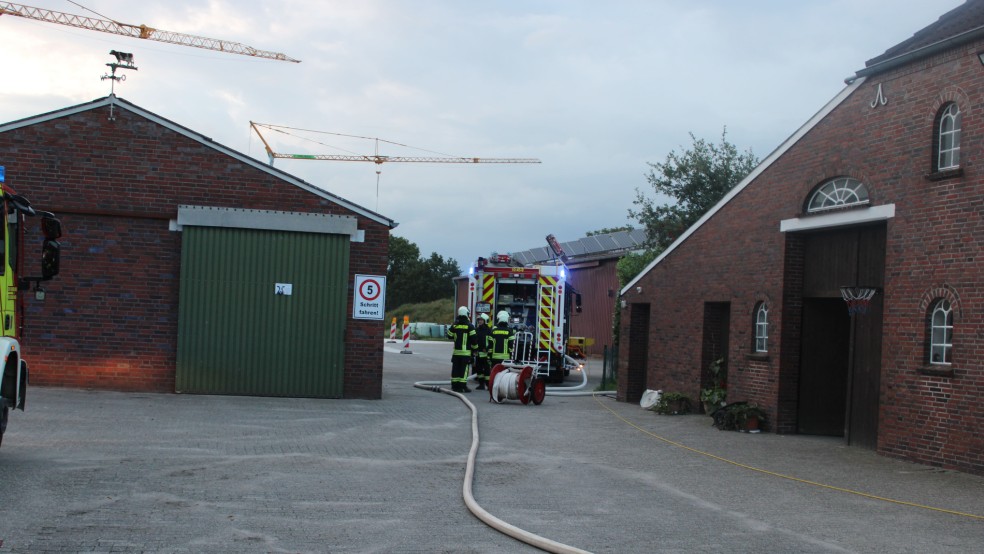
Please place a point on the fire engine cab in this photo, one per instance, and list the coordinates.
(13, 374)
(539, 302)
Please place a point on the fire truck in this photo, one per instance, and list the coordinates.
(13, 380)
(539, 302)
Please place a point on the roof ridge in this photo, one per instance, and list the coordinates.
(961, 19)
(112, 99)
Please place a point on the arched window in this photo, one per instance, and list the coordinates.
(941, 333)
(838, 193)
(762, 327)
(948, 138)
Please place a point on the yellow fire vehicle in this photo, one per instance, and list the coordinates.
(539, 301)
(13, 379)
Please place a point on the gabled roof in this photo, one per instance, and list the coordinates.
(595, 247)
(766, 163)
(119, 103)
(962, 24)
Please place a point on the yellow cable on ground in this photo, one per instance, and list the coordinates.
(788, 477)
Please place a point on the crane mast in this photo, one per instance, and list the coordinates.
(138, 31)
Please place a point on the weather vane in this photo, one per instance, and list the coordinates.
(124, 60)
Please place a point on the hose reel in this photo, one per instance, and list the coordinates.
(516, 383)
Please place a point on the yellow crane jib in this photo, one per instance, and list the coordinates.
(138, 31)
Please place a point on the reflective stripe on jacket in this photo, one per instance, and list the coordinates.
(501, 337)
(484, 336)
(464, 337)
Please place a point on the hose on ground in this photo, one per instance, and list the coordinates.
(578, 390)
(466, 488)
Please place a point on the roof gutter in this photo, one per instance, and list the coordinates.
(925, 51)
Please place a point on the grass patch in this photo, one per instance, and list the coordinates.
(610, 385)
(439, 311)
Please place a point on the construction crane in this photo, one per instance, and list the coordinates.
(376, 157)
(138, 31)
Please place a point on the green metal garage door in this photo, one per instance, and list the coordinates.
(238, 333)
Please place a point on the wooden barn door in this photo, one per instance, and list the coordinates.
(866, 342)
(717, 326)
(638, 358)
(826, 352)
(840, 364)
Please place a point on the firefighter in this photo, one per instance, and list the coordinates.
(501, 339)
(484, 335)
(465, 342)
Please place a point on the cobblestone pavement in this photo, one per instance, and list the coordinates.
(89, 471)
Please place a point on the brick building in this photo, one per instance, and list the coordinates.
(881, 188)
(190, 267)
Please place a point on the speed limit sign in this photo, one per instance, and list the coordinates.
(370, 297)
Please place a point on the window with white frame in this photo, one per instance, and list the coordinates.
(838, 193)
(762, 327)
(941, 333)
(948, 138)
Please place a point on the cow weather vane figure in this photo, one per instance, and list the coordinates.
(124, 60)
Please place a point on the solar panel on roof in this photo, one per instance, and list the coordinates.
(621, 239)
(593, 245)
(607, 242)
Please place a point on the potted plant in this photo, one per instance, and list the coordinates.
(749, 417)
(713, 396)
(740, 416)
(672, 403)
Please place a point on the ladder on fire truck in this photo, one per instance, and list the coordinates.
(546, 321)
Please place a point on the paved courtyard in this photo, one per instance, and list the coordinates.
(90, 471)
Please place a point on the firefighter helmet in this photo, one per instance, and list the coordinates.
(463, 311)
(503, 317)
(484, 316)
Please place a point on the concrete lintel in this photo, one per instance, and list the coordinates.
(272, 220)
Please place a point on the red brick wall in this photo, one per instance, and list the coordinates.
(598, 308)
(934, 249)
(110, 318)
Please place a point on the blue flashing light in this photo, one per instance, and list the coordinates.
(471, 270)
(2, 172)
(563, 273)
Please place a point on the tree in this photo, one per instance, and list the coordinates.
(608, 230)
(413, 279)
(696, 179)
(632, 264)
(403, 256)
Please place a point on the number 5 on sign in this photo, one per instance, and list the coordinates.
(370, 297)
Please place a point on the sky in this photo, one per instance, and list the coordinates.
(594, 90)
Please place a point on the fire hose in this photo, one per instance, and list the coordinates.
(504, 527)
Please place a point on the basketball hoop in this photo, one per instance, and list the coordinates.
(858, 299)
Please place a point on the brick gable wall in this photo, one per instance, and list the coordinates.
(934, 249)
(110, 318)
